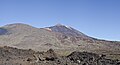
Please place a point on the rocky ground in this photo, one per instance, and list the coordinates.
(68, 43)
(14, 56)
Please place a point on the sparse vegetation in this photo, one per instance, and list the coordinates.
(64, 42)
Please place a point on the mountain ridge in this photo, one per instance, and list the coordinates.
(57, 25)
(56, 37)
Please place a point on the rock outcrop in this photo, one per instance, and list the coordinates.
(14, 56)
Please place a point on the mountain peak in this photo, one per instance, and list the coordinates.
(15, 24)
(66, 30)
(59, 24)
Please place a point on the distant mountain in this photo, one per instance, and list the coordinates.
(68, 31)
(58, 37)
(73, 33)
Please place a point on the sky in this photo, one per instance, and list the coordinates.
(95, 18)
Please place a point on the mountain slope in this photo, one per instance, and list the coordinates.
(25, 36)
(56, 37)
(78, 38)
(68, 31)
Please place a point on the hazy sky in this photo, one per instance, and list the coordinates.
(96, 18)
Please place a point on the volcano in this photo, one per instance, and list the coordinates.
(58, 37)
